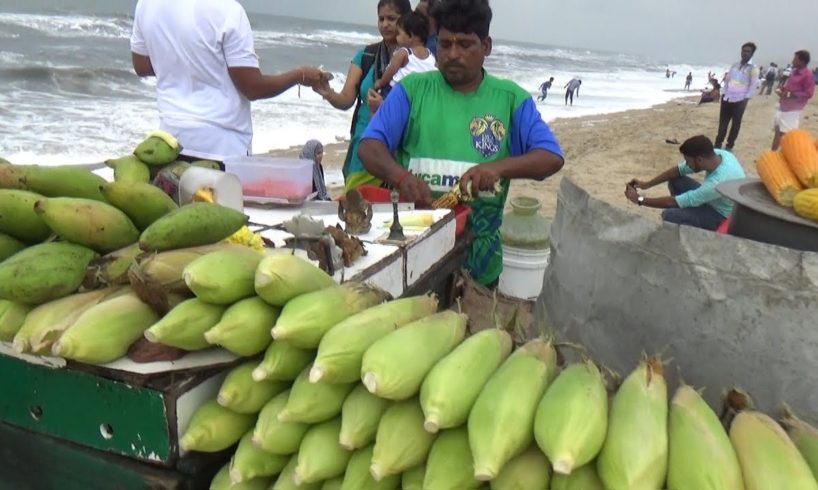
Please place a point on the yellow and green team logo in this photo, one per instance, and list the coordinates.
(487, 134)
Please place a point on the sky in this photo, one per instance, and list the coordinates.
(701, 31)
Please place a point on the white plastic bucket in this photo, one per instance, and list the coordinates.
(523, 271)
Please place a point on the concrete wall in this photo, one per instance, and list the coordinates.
(728, 311)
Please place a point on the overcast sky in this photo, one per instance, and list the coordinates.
(666, 30)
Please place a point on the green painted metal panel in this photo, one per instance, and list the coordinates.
(86, 409)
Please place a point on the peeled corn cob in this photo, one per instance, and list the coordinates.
(241, 394)
(274, 436)
(777, 177)
(501, 421)
(801, 156)
(214, 428)
(805, 204)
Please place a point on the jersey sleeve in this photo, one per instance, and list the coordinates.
(684, 169)
(138, 44)
(530, 132)
(700, 196)
(389, 123)
(237, 42)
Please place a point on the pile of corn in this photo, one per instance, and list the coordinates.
(791, 174)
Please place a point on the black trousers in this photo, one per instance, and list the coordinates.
(730, 114)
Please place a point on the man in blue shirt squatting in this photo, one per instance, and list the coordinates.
(461, 126)
(691, 203)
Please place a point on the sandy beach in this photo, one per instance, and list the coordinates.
(603, 152)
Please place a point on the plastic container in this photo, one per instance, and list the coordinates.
(523, 271)
(524, 227)
(267, 179)
(226, 187)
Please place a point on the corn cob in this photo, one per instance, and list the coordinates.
(501, 421)
(222, 482)
(305, 319)
(224, 276)
(572, 417)
(635, 451)
(320, 456)
(241, 394)
(450, 464)
(274, 436)
(805, 438)
(244, 328)
(214, 428)
(342, 348)
(360, 415)
(282, 362)
(393, 371)
(583, 478)
(806, 204)
(311, 403)
(249, 462)
(357, 475)
(286, 480)
(185, 325)
(467, 367)
(527, 471)
(12, 318)
(333, 484)
(412, 479)
(281, 277)
(802, 156)
(401, 442)
(780, 181)
(768, 457)
(701, 456)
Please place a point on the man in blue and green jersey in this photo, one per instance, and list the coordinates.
(461, 126)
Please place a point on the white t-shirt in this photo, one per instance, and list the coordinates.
(414, 65)
(191, 43)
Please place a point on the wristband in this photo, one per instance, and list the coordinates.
(406, 173)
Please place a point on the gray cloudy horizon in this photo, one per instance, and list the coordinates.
(691, 31)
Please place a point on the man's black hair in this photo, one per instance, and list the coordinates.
(464, 16)
(415, 24)
(803, 55)
(750, 45)
(402, 6)
(697, 146)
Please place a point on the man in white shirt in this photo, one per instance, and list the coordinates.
(739, 85)
(207, 71)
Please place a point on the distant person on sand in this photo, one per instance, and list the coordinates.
(691, 203)
(207, 72)
(314, 150)
(713, 94)
(793, 97)
(688, 80)
(667, 73)
(424, 8)
(571, 87)
(544, 89)
(769, 80)
(739, 86)
(412, 56)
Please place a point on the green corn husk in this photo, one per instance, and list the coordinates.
(334, 484)
(12, 317)
(286, 480)
(320, 457)
(306, 318)
(283, 362)
(395, 366)
(635, 451)
(572, 417)
(450, 465)
(701, 455)
(274, 436)
(526, 471)
(241, 394)
(250, 463)
(223, 277)
(768, 458)
(582, 478)
(282, 277)
(214, 428)
(502, 420)
(805, 438)
(449, 391)
(311, 403)
(401, 442)
(222, 482)
(357, 475)
(412, 479)
(360, 415)
(244, 328)
(185, 325)
(342, 348)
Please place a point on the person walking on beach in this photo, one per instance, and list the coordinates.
(769, 80)
(571, 87)
(691, 203)
(544, 88)
(207, 72)
(461, 126)
(739, 86)
(688, 80)
(793, 97)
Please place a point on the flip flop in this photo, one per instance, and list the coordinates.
(672, 141)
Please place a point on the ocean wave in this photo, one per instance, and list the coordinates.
(318, 38)
(71, 25)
